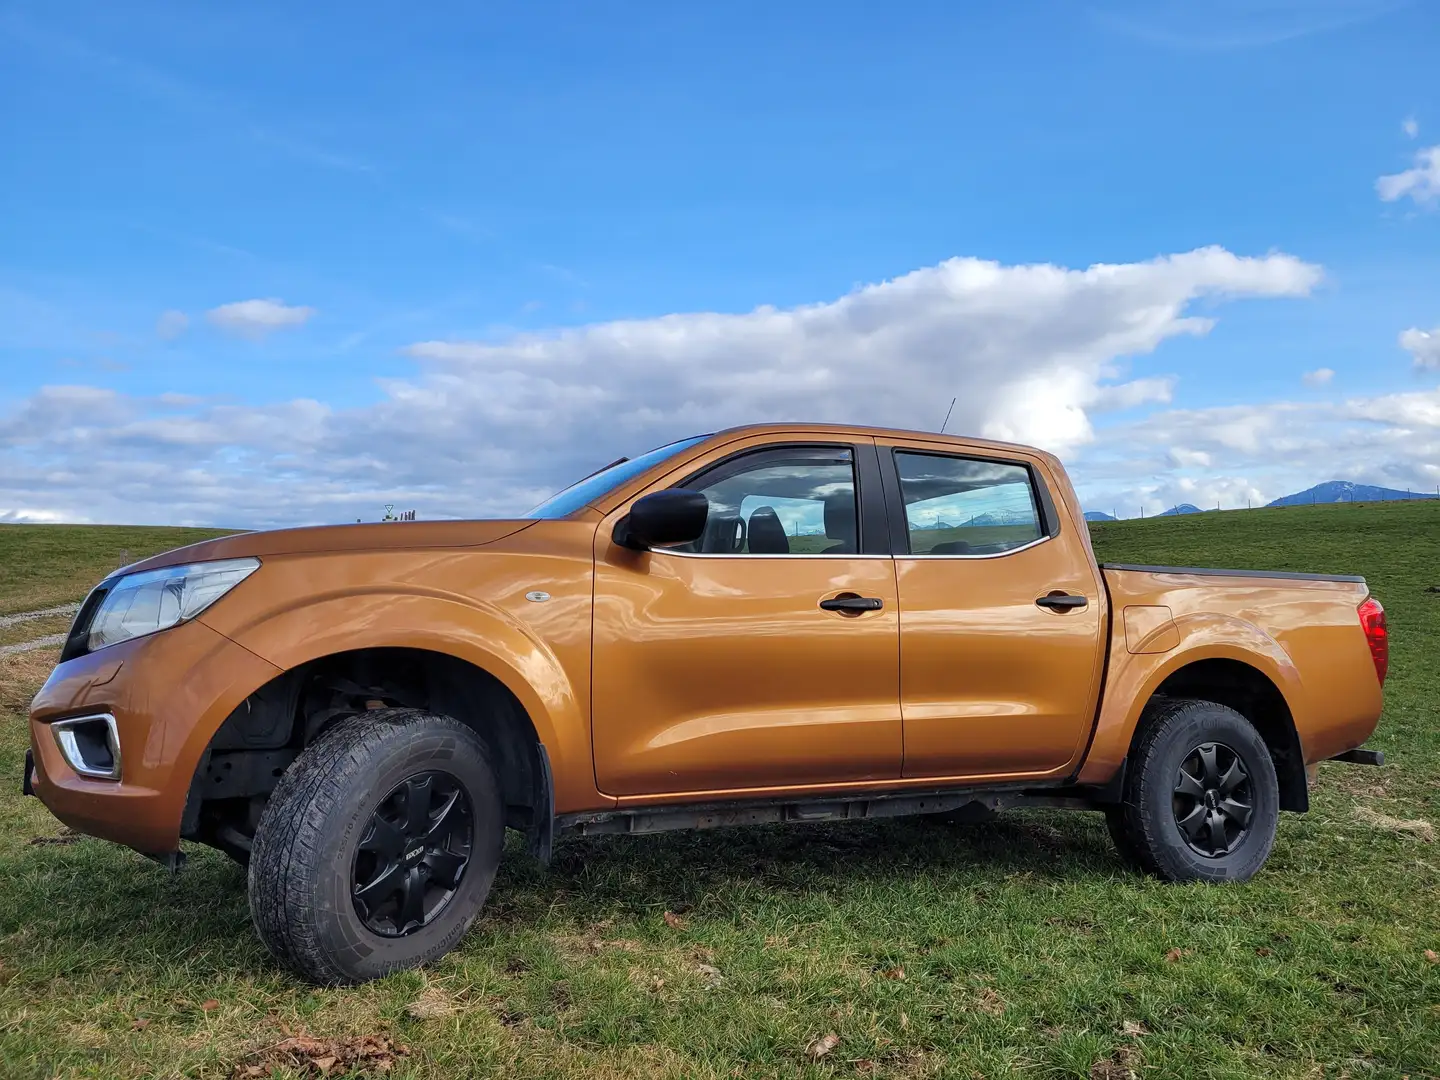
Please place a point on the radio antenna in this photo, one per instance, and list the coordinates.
(947, 414)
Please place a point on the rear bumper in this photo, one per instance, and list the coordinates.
(168, 693)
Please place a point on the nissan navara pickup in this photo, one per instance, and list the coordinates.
(771, 623)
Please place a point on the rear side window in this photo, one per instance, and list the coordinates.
(967, 506)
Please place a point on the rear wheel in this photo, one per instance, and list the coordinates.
(378, 846)
(1201, 800)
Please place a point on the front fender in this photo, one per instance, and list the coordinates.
(543, 659)
(1131, 680)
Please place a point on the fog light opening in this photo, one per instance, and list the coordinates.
(90, 745)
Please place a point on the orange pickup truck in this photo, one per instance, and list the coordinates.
(768, 624)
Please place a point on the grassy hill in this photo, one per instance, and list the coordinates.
(1019, 948)
(42, 566)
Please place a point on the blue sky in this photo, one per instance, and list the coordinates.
(433, 195)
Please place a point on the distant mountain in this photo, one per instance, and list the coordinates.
(1183, 508)
(1003, 517)
(1097, 515)
(1333, 491)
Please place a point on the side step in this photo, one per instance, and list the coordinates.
(643, 820)
(1361, 756)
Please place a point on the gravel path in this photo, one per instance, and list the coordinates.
(38, 643)
(25, 616)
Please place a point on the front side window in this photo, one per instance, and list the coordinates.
(966, 506)
(783, 501)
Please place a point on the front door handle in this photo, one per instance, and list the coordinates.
(1061, 602)
(852, 605)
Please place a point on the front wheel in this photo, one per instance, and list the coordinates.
(1201, 799)
(377, 848)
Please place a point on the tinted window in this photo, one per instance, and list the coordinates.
(780, 502)
(966, 506)
(591, 488)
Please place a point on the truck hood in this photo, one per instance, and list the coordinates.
(384, 536)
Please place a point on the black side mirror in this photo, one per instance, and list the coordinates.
(672, 516)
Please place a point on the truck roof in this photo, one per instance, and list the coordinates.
(863, 429)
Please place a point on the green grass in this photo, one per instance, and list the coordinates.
(1027, 948)
(42, 566)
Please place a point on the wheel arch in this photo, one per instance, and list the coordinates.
(1251, 693)
(244, 757)
(1218, 658)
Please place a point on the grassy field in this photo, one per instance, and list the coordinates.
(902, 949)
(45, 565)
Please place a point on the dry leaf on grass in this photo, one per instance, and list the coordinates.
(675, 922)
(1432, 956)
(209, 1006)
(432, 1004)
(1263, 951)
(1134, 1027)
(709, 974)
(1175, 954)
(139, 1024)
(822, 1046)
(896, 973)
(1423, 829)
(322, 1057)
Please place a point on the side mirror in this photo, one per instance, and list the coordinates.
(672, 516)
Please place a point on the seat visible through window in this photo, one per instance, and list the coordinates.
(791, 500)
(767, 535)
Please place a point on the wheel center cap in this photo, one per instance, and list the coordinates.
(1212, 799)
(415, 854)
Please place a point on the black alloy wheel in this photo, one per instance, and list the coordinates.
(378, 846)
(413, 854)
(1199, 799)
(1212, 802)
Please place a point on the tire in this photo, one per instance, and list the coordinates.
(341, 816)
(1194, 827)
(1115, 823)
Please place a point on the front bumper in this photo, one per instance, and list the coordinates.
(168, 692)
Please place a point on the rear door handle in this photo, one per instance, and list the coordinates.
(1061, 602)
(852, 604)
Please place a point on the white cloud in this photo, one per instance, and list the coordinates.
(1423, 346)
(1410, 127)
(1318, 377)
(1031, 351)
(1259, 452)
(256, 318)
(1181, 458)
(1131, 395)
(171, 324)
(38, 516)
(1421, 183)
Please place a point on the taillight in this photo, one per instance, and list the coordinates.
(1372, 618)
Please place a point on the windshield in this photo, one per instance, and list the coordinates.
(592, 487)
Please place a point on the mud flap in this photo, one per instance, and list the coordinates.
(540, 836)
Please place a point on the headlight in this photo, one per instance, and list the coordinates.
(154, 600)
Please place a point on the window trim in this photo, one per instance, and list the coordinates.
(869, 500)
(900, 521)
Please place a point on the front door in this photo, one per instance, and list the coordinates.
(993, 684)
(763, 656)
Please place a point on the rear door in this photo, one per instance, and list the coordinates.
(1002, 615)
